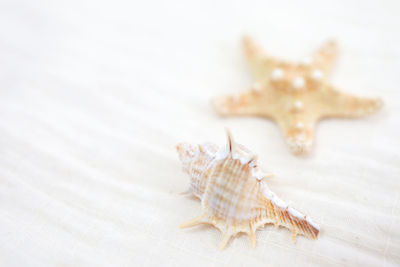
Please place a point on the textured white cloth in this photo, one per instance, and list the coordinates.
(95, 95)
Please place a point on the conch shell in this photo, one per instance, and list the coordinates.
(234, 196)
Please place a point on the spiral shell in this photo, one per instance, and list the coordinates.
(234, 196)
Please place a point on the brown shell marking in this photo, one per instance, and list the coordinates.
(234, 196)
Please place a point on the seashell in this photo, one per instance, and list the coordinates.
(234, 195)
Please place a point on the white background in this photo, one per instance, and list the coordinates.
(94, 96)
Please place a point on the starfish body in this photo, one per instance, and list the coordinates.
(295, 95)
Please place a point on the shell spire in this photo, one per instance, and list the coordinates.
(234, 195)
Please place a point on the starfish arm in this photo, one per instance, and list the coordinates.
(339, 104)
(324, 58)
(260, 64)
(250, 102)
(298, 132)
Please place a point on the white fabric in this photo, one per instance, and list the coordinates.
(95, 95)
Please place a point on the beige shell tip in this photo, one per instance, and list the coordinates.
(225, 241)
(194, 222)
(252, 237)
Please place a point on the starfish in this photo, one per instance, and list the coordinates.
(295, 95)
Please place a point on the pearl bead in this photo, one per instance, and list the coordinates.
(317, 74)
(299, 125)
(307, 61)
(298, 82)
(277, 74)
(298, 105)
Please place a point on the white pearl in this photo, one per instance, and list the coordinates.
(307, 61)
(317, 74)
(277, 74)
(298, 105)
(299, 125)
(298, 82)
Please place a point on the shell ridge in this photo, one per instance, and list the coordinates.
(287, 216)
